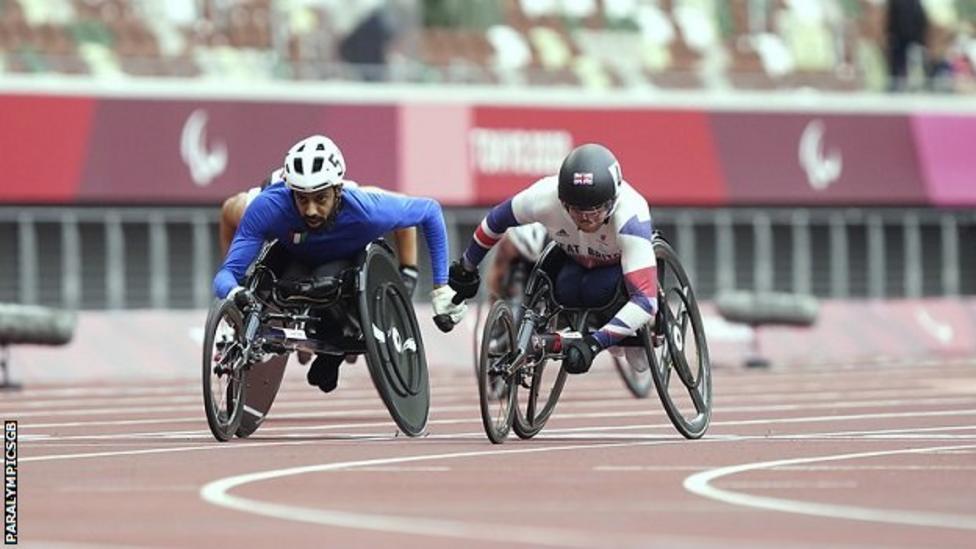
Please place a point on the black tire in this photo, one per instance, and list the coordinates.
(533, 418)
(638, 383)
(688, 402)
(496, 390)
(534, 409)
(476, 336)
(224, 382)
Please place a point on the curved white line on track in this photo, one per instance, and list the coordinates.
(217, 493)
(700, 484)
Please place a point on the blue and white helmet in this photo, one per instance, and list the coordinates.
(314, 164)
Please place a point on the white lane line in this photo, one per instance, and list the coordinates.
(649, 468)
(875, 467)
(253, 412)
(767, 381)
(550, 430)
(290, 397)
(725, 410)
(211, 446)
(701, 484)
(393, 469)
(217, 493)
(792, 484)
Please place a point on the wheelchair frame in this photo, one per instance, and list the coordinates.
(279, 322)
(530, 349)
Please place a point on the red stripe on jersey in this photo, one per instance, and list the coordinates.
(642, 281)
(483, 239)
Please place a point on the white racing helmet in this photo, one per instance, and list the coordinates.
(313, 164)
(528, 239)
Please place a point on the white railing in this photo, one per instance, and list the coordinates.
(166, 257)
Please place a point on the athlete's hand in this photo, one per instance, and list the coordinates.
(463, 280)
(242, 297)
(578, 353)
(408, 274)
(442, 299)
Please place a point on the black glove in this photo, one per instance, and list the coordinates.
(578, 354)
(464, 282)
(408, 274)
(243, 299)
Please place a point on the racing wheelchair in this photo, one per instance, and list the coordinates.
(639, 383)
(363, 308)
(519, 382)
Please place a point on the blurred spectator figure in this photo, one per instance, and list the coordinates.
(367, 44)
(907, 28)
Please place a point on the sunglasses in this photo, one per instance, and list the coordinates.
(589, 214)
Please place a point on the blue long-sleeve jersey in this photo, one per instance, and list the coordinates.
(363, 217)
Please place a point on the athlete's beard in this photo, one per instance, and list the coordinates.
(329, 219)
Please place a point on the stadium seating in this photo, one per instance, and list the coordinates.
(734, 44)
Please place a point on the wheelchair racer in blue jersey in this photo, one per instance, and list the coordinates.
(320, 226)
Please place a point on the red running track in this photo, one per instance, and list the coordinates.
(835, 455)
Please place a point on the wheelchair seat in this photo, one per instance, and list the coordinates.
(542, 278)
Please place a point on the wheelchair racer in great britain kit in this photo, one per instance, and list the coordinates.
(599, 285)
(307, 271)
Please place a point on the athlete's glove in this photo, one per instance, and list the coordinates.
(241, 297)
(578, 353)
(408, 274)
(464, 281)
(442, 300)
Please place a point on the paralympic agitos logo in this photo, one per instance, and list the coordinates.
(205, 165)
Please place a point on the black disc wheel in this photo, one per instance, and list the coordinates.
(224, 370)
(394, 344)
(677, 350)
(497, 386)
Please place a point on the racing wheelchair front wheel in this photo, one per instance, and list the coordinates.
(544, 382)
(677, 350)
(223, 370)
(496, 384)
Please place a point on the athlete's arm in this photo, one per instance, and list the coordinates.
(231, 212)
(406, 239)
(403, 212)
(244, 248)
(521, 209)
(640, 277)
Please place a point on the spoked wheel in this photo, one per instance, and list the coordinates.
(638, 383)
(223, 370)
(544, 383)
(679, 363)
(496, 386)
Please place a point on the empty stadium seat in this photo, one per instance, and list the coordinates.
(829, 44)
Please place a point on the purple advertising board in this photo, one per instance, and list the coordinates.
(947, 151)
(197, 152)
(818, 159)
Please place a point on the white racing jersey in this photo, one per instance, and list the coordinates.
(625, 239)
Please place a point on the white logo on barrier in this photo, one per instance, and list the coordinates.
(822, 169)
(204, 165)
(941, 331)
